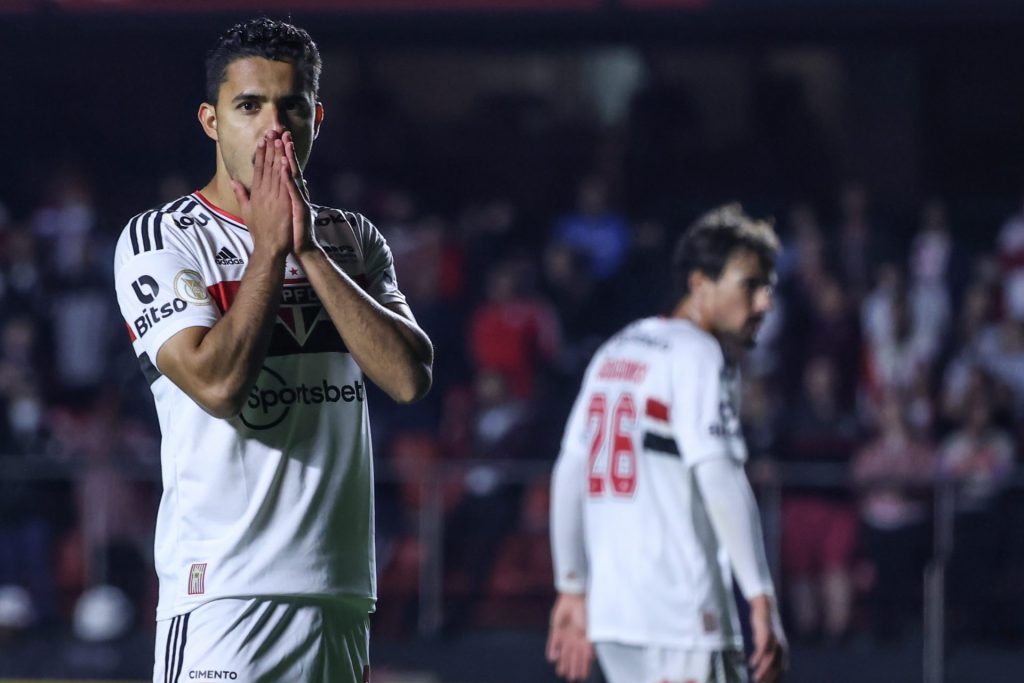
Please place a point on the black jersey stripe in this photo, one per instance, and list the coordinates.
(176, 204)
(158, 235)
(149, 369)
(147, 245)
(190, 206)
(167, 649)
(661, 444)
(169, 661)
(133, 232)
(181, 651)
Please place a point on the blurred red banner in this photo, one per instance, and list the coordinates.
(19, 5)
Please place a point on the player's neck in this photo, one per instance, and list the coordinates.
(687, 309)
(219, 193)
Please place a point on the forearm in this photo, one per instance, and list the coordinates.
(221, 369)
(734, 516)
(393, 352)
(567, 545)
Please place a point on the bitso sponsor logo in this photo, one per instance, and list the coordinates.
(272, 398)
(226, 257)
(152, 315)
(146, 289)
(212, 675)
(188, 285)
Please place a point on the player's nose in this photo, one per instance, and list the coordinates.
(764, 300)
(276, 120)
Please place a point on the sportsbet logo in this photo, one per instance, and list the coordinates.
(272, 398)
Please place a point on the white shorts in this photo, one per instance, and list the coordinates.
(265, 641)
(638, 664)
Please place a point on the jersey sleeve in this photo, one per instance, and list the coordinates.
(382, 284)
(159, 285)
(568, 549)
(705, 418)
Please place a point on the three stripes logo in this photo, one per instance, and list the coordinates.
(197, 579)
(226, 257)
(146, 233)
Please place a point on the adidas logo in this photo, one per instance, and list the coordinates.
(225, 257)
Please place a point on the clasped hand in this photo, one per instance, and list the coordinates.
(276, 208)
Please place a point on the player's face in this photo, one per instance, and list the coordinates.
(741, 297)
(259, 95)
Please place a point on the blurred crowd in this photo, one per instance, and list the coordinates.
(893, 360)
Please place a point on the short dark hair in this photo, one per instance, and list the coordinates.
(267, 38)
(709, 243)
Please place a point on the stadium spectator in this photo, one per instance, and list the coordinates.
(1011, 258)
(595, 229)
(514, 332)
(890, 474)
(819, 524)
(979, 456)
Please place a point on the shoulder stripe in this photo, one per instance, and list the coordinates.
(190, 207)
(176, 204)
(133, 232)
(158, 235)
(147, 245)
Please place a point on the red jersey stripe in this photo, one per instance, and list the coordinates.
(656, 410)
(212, 207)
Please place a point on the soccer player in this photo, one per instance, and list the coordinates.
(651, 508)
(255, 315)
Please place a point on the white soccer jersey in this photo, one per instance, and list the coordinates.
(277, 501)
(629, 524)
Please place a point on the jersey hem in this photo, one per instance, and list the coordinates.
(370, 603)
(682, 643)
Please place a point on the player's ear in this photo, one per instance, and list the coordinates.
(696, 280)
(207, 115)
(318, 118)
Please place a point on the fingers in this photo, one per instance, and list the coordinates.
(570, 655)
(293, 163)
(767, 663)
(582, 655)
(577, 660)
(552, 648)
(289, 146)
(259, 162)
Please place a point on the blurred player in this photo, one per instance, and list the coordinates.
(254, 315)
(650, 502)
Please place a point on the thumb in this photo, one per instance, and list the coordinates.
(241, 194)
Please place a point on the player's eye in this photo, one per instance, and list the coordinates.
(248, 105)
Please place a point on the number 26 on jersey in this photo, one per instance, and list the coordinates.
(612, 464)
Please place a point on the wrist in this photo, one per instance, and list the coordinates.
(273, 254)
(309, 255)
(760, 606)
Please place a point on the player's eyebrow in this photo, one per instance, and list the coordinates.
(248, 96)
(259, 97)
